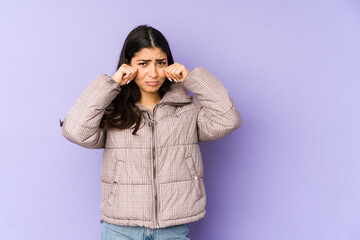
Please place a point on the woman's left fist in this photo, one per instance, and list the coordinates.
(176, 72)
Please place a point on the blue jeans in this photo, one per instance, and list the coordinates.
(117, 232)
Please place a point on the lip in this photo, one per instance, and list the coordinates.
(152, 83)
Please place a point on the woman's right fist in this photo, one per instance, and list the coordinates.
(124, 74)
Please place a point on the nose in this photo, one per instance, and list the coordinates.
(152, 71)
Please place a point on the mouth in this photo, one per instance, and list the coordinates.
(152, 83)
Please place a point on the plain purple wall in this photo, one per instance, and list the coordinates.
(292, 171)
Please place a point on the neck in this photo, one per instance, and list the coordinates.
(150, 98)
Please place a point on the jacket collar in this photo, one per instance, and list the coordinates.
(176, 95)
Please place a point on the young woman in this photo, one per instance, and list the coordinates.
(149, 126)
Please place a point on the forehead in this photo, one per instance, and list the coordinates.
(150, 53)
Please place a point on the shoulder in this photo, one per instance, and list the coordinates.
(195, 102)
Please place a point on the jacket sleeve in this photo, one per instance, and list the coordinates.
(81, 124)
(217, 116)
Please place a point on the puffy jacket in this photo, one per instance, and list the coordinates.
(155, 179)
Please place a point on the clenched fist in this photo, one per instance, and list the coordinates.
(176, 72)
(124, 74)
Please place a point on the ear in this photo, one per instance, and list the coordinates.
(126, 61)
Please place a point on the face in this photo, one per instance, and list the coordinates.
(150, 63)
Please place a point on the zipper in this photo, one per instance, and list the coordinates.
(152, 124)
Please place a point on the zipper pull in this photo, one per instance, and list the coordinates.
(152, 122)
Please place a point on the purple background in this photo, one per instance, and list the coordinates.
(292, 170)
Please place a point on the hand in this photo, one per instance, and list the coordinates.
(124, 74)
(176, 72)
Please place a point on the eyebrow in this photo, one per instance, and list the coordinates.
(147, 60)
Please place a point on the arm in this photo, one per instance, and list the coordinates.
(217, 115)
(81, 124)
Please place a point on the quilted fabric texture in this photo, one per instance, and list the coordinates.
(154, 179)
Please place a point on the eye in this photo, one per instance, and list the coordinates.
(162, 63)
(142, 64)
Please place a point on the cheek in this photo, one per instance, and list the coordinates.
(140, 74)
(162, 73)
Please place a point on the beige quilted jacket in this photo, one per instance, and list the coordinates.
(155, 179)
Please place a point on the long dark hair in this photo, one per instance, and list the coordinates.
(122, 113)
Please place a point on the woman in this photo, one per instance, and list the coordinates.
(151, 171)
